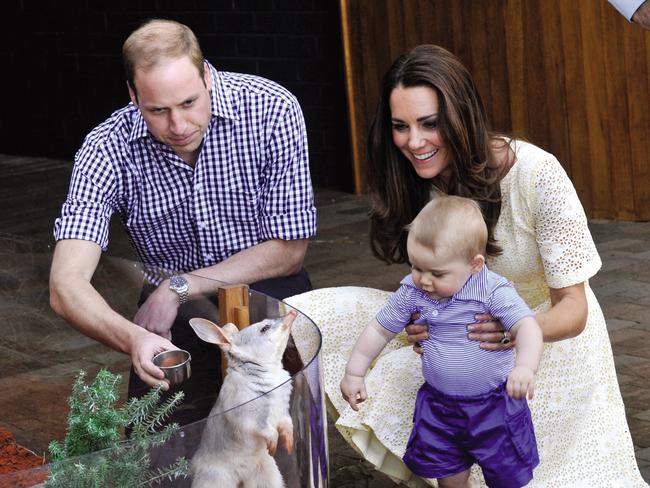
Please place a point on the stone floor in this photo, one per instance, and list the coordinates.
(30, 195)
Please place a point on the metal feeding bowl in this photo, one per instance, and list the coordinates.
(175, 364)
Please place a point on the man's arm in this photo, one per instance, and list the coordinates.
(268, 259)
(73, 297)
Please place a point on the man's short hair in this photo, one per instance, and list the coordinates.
(451, 226)
(156, 40)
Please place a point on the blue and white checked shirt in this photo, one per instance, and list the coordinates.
(452, 363)
(250, 184)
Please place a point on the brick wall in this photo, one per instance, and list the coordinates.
(63, 72)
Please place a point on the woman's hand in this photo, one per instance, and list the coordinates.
(415, 333)
(490, 333)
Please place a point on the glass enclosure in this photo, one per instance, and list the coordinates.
(42, 355)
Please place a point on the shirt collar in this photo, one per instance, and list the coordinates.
(476, 287)
(222, 101)
(139, 129)
(222, 105)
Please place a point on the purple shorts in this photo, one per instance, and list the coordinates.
(450, 433)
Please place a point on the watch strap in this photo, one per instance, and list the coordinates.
(181, 287)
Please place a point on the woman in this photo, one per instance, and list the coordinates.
(430, 137)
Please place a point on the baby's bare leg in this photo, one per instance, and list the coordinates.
(460, 480)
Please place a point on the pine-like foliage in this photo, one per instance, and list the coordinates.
(95, 424)
(93, 421)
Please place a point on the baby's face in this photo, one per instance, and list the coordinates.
(439, 277)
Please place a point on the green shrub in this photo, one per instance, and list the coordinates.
(95, 424)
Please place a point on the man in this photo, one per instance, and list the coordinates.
(637, 11)
(209, 174)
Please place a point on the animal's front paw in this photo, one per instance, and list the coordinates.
(285, 433)
(271, 438)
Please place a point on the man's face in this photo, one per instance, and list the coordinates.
(175, 103)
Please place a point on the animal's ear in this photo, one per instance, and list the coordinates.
(289, 318)
(230, 328)
(211, 332)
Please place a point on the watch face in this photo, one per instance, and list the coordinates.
(178, 283)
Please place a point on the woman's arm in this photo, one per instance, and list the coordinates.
(567, 316)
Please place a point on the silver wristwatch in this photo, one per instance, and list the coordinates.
(181, 287)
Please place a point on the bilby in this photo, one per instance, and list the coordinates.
(237, 445)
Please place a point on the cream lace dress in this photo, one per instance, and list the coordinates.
(582, 434)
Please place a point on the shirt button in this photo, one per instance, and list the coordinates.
(198, 186)
(203, 225)
(208, 257)
(434, 313)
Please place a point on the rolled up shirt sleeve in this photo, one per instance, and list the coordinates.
(288, 210)
(87, 210)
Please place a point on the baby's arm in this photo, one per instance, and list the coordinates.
(368, 346)
(529, 346)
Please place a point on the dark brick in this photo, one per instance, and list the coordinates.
(253, 5)
(299, 5)
(256, 46)
(296, 46)
(179, 5)
(42, 45)
(218, 45)
(39, 6)
(97, 44)
(123, 5)
(123, 23)
(307, 94)
(275, 22)
(311, 23)
(236, 65)
(79, 56)
(321, 117)
(215, 5)
(200, 23)
(315, 138)
(313, 71)
(235, 22)
(279, 70)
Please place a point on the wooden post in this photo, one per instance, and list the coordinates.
(233, 307)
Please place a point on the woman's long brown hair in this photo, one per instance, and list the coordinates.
(397, 193)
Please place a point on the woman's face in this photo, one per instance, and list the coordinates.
(414, 117)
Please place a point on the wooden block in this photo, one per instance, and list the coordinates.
(231, 299)
(233, 307)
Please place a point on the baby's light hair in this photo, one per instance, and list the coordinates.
(451, 226)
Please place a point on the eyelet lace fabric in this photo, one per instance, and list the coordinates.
(582, 433)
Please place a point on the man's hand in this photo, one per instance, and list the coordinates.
(489, 333)
(143, 348)
(353, 389)
(158, 312)
(521, 381)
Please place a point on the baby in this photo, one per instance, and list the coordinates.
(472, 407)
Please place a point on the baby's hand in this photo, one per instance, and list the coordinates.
(354, 390)
(521, 380)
